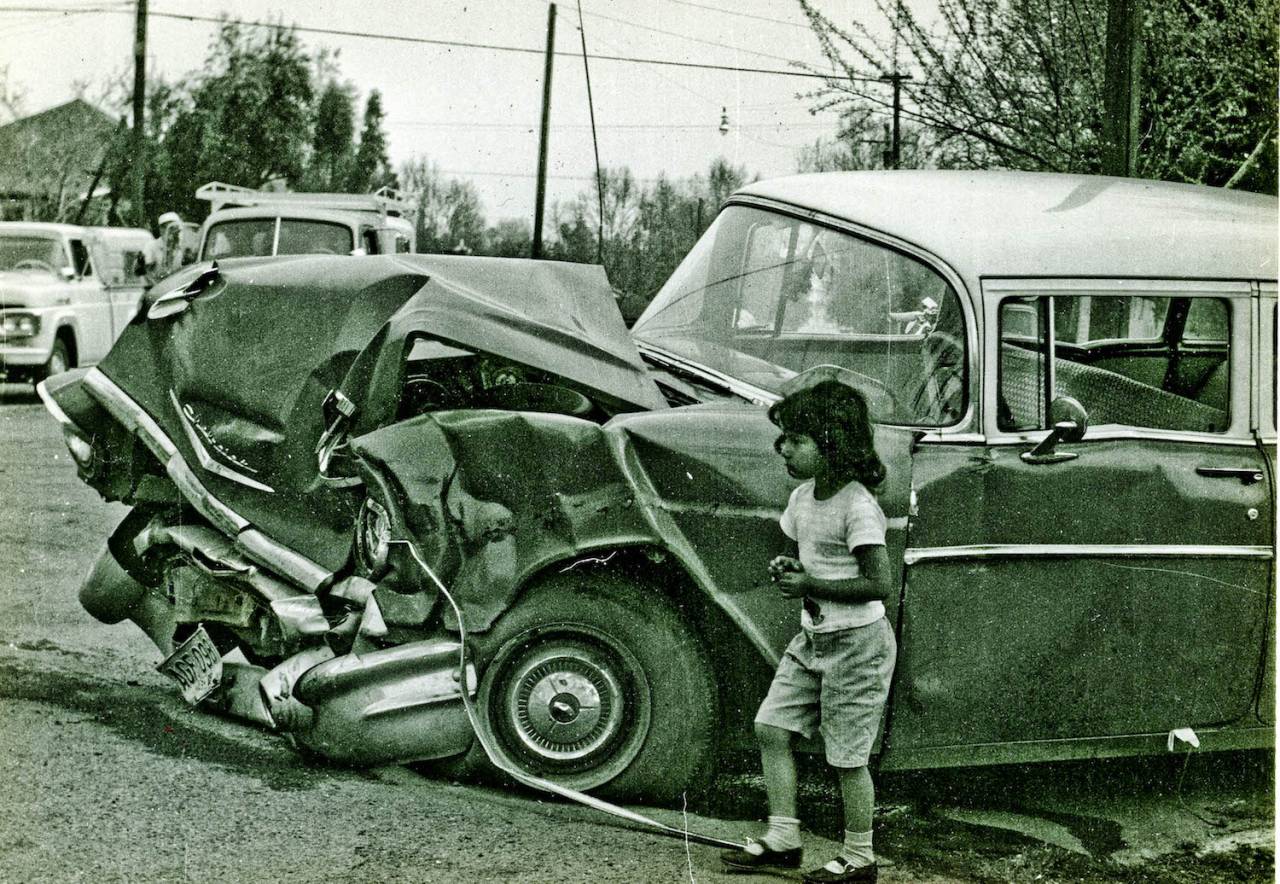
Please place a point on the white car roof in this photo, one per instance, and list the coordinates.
(1024, 224)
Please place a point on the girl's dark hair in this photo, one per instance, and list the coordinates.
(835, 416)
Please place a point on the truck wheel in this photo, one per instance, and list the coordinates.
(58, 362)
(598, 684)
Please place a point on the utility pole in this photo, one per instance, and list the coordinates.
(139, 152)
(1122, 88)
(541, 196)
(895, 149)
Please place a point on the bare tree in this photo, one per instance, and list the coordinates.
(1018, 84)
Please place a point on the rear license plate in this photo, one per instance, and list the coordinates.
(195, 665)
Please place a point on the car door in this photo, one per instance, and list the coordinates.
(1120, 587)
(1264, 388)
(90, 303)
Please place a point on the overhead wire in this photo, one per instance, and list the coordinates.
(460, 44)
(776, 21)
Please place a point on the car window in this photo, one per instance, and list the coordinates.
(80, 258)
(764, 296)
(1139, 361)
(33, 253)
(240, 239)
(313, 238)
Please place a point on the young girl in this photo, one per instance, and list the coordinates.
(834, 676)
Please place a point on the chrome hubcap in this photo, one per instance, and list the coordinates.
(566, 703)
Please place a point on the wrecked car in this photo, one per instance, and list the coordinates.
(367, 492)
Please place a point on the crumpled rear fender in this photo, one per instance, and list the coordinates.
(493, 498)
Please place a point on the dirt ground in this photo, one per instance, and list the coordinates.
(106, 776)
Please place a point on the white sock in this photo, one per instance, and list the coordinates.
(856, 851)
(783, 834)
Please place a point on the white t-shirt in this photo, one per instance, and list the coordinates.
(827, 532)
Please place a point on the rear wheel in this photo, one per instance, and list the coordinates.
(598, 684)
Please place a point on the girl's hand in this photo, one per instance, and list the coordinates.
(782, 565)
(793, 584)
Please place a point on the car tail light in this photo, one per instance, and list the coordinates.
(81, 448)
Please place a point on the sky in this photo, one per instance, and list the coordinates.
(475, 112)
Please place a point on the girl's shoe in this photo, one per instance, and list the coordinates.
(848, 875)
(767, 859)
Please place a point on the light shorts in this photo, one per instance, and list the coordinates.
(835, 683)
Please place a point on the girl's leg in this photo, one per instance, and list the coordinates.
(859, 795)
(779, 764)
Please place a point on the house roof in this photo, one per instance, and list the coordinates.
(35, 150)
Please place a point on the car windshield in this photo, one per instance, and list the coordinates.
(36, 254)
(764, 296)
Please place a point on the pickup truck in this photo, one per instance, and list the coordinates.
(66, 293)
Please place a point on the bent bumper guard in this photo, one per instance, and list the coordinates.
(393, 705)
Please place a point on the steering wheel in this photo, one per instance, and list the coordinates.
(33, 264)
(421, 395)
(940, 394)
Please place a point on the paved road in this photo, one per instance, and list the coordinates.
(106, 776)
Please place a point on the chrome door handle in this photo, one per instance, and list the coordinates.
(1246, 475)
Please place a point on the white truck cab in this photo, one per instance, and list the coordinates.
(245, 222)
(66, 293)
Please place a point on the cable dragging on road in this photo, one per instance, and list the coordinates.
(486, 742)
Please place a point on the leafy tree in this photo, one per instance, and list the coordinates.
(371, 170)
(1018, 84)
(253, 106)
(647, 231)
(509, 238)
(449, 214)
(332, 146)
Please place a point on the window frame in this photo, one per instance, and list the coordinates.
(1237, 294)
(965, 425)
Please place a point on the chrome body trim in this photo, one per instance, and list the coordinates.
(129, 414)
(254, 544)
(52, 407)
(1091, 550)
(206, 459)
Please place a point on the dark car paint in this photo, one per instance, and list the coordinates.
(995, 651)
(255, 355)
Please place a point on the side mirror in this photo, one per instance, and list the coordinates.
(1070, 421)
(67, 273)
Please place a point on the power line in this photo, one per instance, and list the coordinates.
(776, 21)
(632, 24)
(463, 44)
(529, 127)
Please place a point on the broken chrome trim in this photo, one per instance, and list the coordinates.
(1082, 550)
(130, 415)
(276, 689)
(206, 459)
(52, 407)
(256, 545)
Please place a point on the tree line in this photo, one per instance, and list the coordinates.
(1014, 84)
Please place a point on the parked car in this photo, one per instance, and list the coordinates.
(1074, 384)
(247, 223)
(66, 293)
